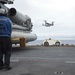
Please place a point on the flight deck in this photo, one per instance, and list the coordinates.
(40, 60)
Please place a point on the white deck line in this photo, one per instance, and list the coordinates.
(66, 60)
(70, 62)
(14, 60)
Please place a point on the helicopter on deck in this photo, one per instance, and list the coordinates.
(48, 24)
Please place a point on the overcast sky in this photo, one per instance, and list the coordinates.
(62, 12)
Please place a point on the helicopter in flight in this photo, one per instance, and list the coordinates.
(48, 24)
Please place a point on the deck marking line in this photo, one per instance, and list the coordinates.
(70, 62)
(40, 58)
(14, 60)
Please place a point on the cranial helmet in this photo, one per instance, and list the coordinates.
(2, 11)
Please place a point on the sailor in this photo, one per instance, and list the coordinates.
(5, 40)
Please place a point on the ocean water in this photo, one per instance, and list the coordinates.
(68, 42)
(39, 42)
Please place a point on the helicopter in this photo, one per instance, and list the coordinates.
(48, 24)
